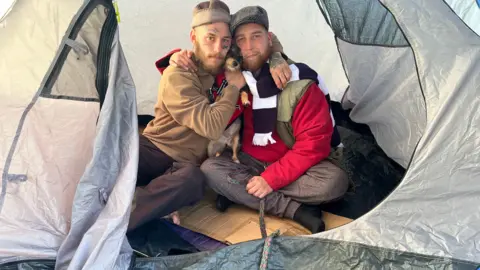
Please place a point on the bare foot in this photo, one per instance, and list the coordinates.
(175, 217)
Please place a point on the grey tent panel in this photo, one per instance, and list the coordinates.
(304, 253)
(387, 96)
(30, 265)
(103, 199)
(290, 253)
(434, 210)
(363, 22)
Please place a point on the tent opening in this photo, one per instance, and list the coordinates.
(372, 173)
(363, 127)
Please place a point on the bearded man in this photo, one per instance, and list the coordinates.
(174, 143)
(287, 137)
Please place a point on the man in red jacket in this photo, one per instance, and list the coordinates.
(293, 180)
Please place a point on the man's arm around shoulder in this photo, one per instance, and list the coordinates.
(183, 97)
(312, 129)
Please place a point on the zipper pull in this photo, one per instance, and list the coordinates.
(117, 12)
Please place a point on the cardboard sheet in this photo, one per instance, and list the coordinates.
(240, 224)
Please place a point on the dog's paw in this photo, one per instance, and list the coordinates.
(217, 154)
(244, 98)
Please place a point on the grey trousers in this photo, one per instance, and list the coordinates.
(324, 182)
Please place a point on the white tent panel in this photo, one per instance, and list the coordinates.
(28, 42)
(36, 211)
(434, 211)
(5, 8)
(40, 162)
(149, 31)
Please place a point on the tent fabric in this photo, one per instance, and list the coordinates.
(388, 86)
(468, 11)
(434, 210)
(103, 199)
(104, 194)
(33, 218)
(5, 8)
(386, 96)
(301, 253)
(366, 22)
(68, 167)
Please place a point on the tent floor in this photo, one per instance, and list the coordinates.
(203, 228)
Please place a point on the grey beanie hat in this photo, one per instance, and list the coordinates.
(250, 14)
(211, 11)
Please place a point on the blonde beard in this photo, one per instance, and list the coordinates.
(201, 57)
(257, 63)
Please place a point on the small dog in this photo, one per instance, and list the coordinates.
(234, 64)
(232, 133)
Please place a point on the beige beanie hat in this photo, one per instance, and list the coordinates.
(210, 12)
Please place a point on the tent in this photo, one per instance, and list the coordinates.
(74, 79)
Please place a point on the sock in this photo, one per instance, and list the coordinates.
(222, 203)
(310, 216)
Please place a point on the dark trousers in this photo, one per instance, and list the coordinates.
(163, 185)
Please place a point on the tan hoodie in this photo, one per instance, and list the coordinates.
(185, 121)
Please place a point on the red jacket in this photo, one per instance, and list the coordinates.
(312, 129)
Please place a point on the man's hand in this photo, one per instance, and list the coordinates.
(258, 187)
(183, 59)
(280, 70)
(235, 78)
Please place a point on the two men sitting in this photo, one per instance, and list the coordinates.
(287, 130)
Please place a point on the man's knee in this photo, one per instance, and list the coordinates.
(208, 165)
(337, 183)
(212, 168)
(192, 179)
(324, 182)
